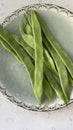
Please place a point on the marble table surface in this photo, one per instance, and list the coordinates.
(16, 118)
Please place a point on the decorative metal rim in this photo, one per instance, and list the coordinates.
(6, 21)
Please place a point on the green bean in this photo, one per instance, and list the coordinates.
(4, 35)
(55, 86)
(27, 38)
(35, 40)
(48, 93)
(8, 48)
(26, 23)
(63, 75)
(28, 27)
(47, 88)
(49, 62)
(27, 48)
(62, 54)
(70, 80)
(38, 74)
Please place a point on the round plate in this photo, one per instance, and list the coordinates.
(14, 80)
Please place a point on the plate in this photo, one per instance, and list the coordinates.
(14, 80)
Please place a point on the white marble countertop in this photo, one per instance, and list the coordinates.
(16, 118)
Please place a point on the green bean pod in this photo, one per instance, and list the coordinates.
(62, 71)
(49, 62)
(55, 86)
(38, 74)
(8, 48)
(47, 88)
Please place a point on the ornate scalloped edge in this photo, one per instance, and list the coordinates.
(6, 21)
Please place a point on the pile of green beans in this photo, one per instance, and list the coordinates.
(48, 65)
